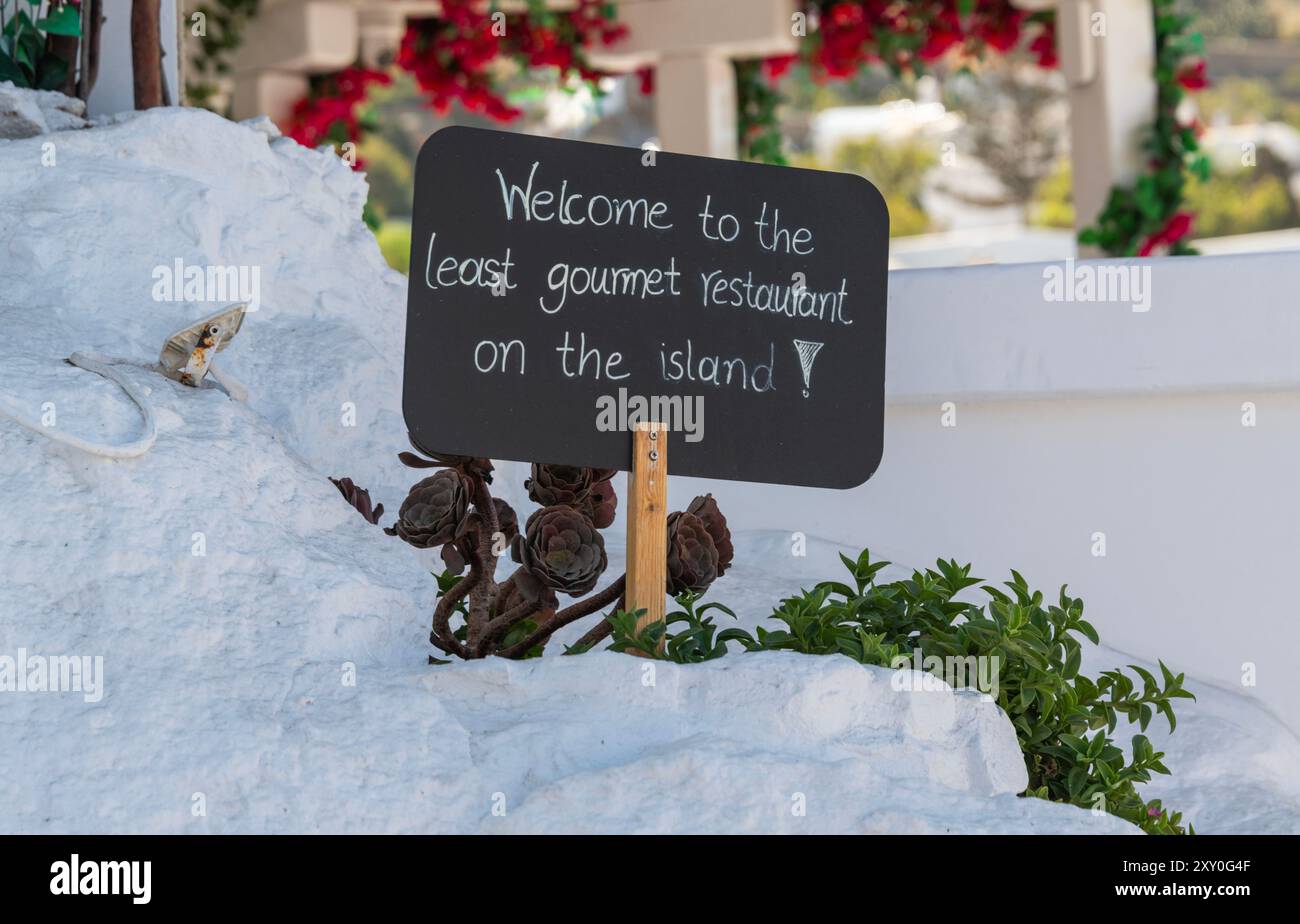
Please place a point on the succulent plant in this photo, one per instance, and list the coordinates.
(692, 556)
(559, 484)
(559, 550)
(507, 519)
(460, 552)
(433, 513)
(468, 465)
(706, 508)
(602, 504)
(359, 498)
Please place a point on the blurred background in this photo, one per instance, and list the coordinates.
(963, 112)
(1006, 197)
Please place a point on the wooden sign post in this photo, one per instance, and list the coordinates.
(647, 524)
(563, 295)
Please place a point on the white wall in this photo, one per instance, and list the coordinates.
(113, 90)
(1075, 418)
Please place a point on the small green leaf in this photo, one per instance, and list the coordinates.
(64, 20)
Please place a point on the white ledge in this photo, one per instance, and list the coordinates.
(988, 333)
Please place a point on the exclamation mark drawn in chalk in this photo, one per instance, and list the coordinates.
(807, 354)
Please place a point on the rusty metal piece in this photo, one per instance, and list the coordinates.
(187, 354)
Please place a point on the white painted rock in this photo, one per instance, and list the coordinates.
(232, 595)
(25, 113)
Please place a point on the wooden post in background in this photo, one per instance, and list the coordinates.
(146, 53)
(647, 524)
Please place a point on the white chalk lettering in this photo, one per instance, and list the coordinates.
(599, 209)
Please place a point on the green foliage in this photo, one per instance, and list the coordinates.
(1247, 100)
(1052, 205)
(1143, 212)
(389, 172)
(698, 640)
(25, 55)
(1038, 646)
(394, 239)
(1065, 721)
(897, 169)
(1241, 202)
(518, 632)
(223, 27)
(757, 128)
(1236, 19)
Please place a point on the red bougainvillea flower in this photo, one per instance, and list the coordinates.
(779, 66)
(999, 27)
(851, 34)
(332, 112)
(1043, 46)
(846, 15)
(1194, 77)
(942, 33)
(937, 44)
(646, 78)
(453, 57)
(1177, 228)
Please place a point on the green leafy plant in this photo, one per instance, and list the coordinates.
(1148, 217)
(1038, 649)
(1242, 201)
(28, 40)
(222, 32)
(698, 640)
(1065, 721)
(897, 168)
(758, 129)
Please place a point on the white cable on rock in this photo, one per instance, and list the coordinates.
(100, 365)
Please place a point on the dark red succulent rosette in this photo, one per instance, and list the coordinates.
(559, 484)
(559, 550)
(473, 466)
(460, 552)
(602, 503)
(706, 509)
(692, 556)
(434, 511)
(359, 498)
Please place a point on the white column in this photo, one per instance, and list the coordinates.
(691, 44)
(1107, 50)
(288, 41)
(695, 104)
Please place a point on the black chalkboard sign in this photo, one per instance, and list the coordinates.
(561, 291)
